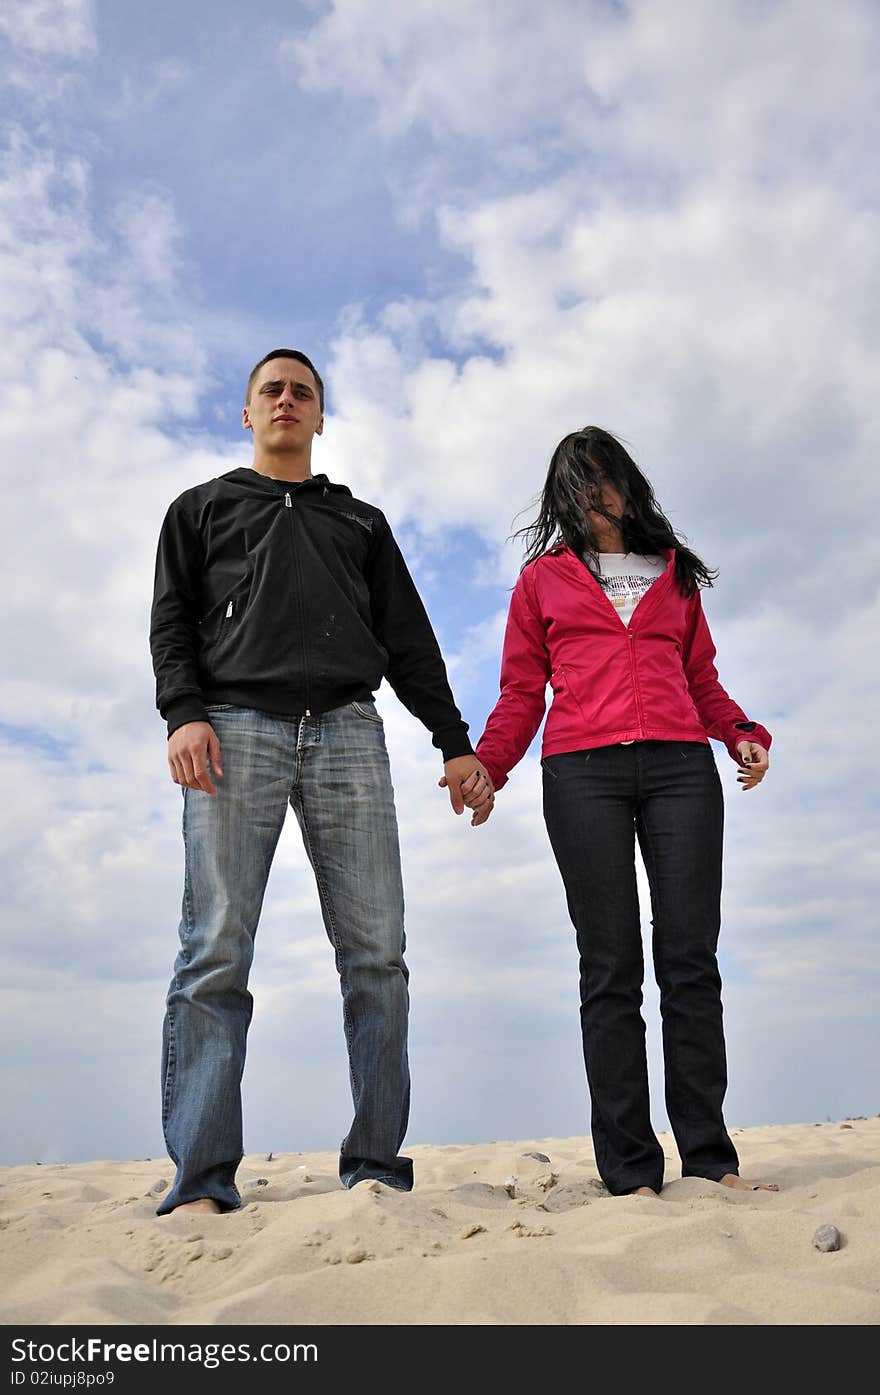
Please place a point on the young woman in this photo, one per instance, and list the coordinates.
(607, 611)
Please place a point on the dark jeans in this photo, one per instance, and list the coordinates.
(595, 804)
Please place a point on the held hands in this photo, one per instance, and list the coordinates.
(753, 764)
(190, 748)
(469, 785)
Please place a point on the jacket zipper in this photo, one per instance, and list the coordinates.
(630, 643)
(288, 504)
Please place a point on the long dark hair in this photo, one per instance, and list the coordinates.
(581, 463)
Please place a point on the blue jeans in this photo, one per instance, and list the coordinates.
(333, 770)
(596, 803)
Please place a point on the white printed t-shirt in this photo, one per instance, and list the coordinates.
(625, 577)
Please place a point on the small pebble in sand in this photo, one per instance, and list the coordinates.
(826, 1238)
(546, 1180)
(222, 1252)
(510, 1186)
(846, 1126)
(317, 1237)
(523, 1232)
(470, 1230)
(160, 1185)
(539, 1157)
(357, 1256)
(438, 1211)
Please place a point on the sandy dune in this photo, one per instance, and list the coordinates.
(81, 1243)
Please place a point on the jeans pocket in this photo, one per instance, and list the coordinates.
(548, 769)
(368, 711)
(219, 706)
(697, 752)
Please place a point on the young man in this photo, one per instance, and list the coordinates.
(280, 604)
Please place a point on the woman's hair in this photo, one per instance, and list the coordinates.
(581, 463)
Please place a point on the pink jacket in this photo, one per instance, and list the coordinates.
(653, 680)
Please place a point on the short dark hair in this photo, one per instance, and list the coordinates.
(285, 353)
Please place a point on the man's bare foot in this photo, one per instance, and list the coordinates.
(643, 1191)
(205, 1203)
(744, 1184)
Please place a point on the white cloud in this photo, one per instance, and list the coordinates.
(701, 331)
(60, 29)
(459, 69)
(667, 90)
(148, 230)
(144, 88)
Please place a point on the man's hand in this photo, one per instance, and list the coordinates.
(468, 782)
(190, 748)
(754, 763)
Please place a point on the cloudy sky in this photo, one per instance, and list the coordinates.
(490, 224)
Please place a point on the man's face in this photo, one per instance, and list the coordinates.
(284, 408)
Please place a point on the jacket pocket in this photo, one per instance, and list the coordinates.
(214, 642)
(557, 679)
(562, 681)
(222, 621)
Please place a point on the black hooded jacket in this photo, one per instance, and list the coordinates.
(292, 599)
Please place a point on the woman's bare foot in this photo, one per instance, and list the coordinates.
(744, 1184)
(643, 1191)
(206, 1204)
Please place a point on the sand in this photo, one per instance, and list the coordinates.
(488, 1236)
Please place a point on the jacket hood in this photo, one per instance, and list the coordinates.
(248, 483)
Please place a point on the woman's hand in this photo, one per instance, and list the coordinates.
(470, 786)
(754, 762)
